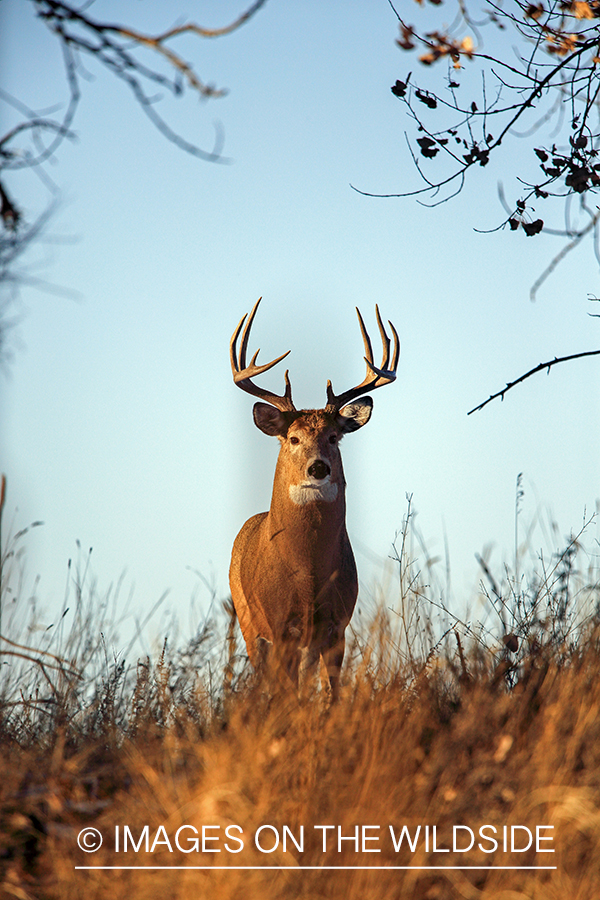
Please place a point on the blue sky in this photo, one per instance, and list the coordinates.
(121, 425)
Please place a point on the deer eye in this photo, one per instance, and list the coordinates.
(294, 440)
(333, 438)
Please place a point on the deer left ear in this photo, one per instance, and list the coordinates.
(270, 420)
(354, 415)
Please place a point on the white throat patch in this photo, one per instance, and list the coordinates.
(309, 492)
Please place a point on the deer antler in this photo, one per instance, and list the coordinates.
(242, 374)
(375, 377)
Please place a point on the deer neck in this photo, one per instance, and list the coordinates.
(308, 522)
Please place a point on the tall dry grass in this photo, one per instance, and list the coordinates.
(442, 721)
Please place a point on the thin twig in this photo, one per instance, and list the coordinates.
(540, 368)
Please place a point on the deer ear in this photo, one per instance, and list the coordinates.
(354, 415)
(270, 420)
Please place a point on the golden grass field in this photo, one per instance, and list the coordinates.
(493, 726)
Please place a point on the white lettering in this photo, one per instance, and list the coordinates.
(325, 829)
(145, 836)
(234, 838)
(438, 849)
(195, 843)
(366, 837)
(344, 838)
(209, 837)
(299, 846)
(513, 829)
(161, 840)
(539, 837)
(486, 838)
(403, 833)
(461, 849)
(257, 842)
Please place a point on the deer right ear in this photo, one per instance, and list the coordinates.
(354, 415)
(270, 420)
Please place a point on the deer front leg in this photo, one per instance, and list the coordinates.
(307, 669)
(333, 658)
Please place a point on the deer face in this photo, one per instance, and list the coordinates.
(310, 454)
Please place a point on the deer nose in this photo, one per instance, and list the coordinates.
(319, 469)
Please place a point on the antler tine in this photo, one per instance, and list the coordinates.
(246, 336)
(386, 345)
(396, 355)
(375, 377)
(365, 337)
(385, 341)
(242, 374)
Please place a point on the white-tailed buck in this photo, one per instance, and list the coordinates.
(293, 576)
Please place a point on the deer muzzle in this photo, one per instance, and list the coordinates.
(319, 469)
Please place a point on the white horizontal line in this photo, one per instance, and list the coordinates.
(321, 868)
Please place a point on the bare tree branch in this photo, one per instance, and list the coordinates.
(30, 143)
(546, 88)
(540, 368)
(555, 66)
